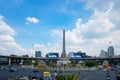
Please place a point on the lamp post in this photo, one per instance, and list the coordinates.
(108, 75)
(63, 67)
(32, 50)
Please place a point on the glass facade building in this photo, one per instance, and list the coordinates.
(110, 51)
(37, 53)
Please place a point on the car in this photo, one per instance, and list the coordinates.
(112, 69)
(10, 69)
(23, 78)
(118, 66)
(34, 78)
(93, 69)
(104, 70)
(118, 76)
(5, 68)
(35, 70)
(1, 67)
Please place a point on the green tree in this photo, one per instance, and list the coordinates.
(13, 55)
(91, 64)
(51, 64)
(29, 63)
(73, 64)
(67, 77)
(82, 64)
(25, 55)
(35, 63)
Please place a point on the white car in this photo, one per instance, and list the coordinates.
(104, 70)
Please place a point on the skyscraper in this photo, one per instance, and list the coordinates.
(110, 51)
(63, 52)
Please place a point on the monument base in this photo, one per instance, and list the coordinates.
(63, 61)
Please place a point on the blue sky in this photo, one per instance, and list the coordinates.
(58, 14)
(41, 23)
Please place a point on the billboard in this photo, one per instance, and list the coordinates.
(75, 55)
(52, 55)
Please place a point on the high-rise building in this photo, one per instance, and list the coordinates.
(103, 54)
(110, 51)
(37, 53)
(63, 52)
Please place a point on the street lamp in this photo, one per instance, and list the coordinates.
(108, 75)
(32, 50)
(63, 67)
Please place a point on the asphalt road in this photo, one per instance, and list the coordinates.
(97, 75)
(4, 74)
(84, 74)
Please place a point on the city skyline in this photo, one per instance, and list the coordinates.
(27, 24)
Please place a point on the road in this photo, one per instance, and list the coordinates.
(97, 75)
(84, 74)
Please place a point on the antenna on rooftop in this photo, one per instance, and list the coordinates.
(110, 42)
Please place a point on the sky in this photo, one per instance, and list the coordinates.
(27, 26)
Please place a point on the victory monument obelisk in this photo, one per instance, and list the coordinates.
(63, 59)
(63, 55)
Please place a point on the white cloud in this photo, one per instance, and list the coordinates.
(7, 43)
(99, 5)
(4, 28)
(89, 37)
(95, 34)
(32, 20)
(9, 46)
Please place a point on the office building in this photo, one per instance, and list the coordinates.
(103, 54)
(37, 53)
(110, 51)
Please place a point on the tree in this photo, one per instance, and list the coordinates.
(67, 77)
(73, 64)
(82, 64)
(13, 55)
(91, 64)
(25, 55)
(51, 64)
(35, 63)
(29, 63)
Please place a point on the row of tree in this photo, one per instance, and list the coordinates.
(85, 64)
